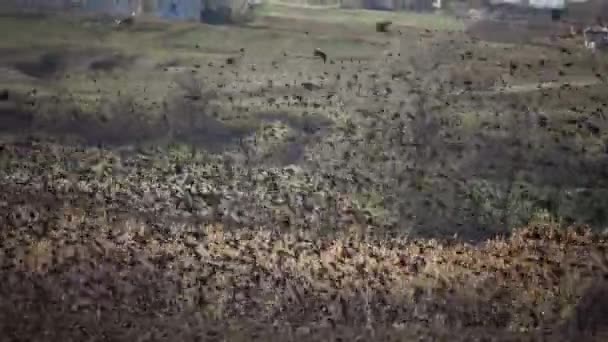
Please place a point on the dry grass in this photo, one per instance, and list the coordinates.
(146, 242)
(362, 17)
(236, 285)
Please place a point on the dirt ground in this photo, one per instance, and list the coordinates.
(180, 181)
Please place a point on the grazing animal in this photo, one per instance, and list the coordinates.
(383, 26)
(321, 54)
(129, 21)
(573, 31)
(596, 37)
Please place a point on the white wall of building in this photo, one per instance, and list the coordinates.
(547, 3)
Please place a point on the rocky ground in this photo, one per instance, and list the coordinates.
(192, 182)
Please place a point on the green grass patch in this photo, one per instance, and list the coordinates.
(356, 17)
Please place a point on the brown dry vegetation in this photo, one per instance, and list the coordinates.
(191, 182)
(96, 277)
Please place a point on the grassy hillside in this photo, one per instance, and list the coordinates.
(181, 181)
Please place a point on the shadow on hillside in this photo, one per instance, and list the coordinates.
(187, 120)
(488, 181)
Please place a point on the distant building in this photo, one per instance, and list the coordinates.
(541, 4)
(107, 6)
(393, 5)
(578, 10)
(169, 9)
(116, 7)
(549, 4)
(39, 4)
(179, 9)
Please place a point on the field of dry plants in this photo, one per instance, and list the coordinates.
(443, 181)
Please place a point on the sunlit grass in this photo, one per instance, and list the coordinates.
(358, 17)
